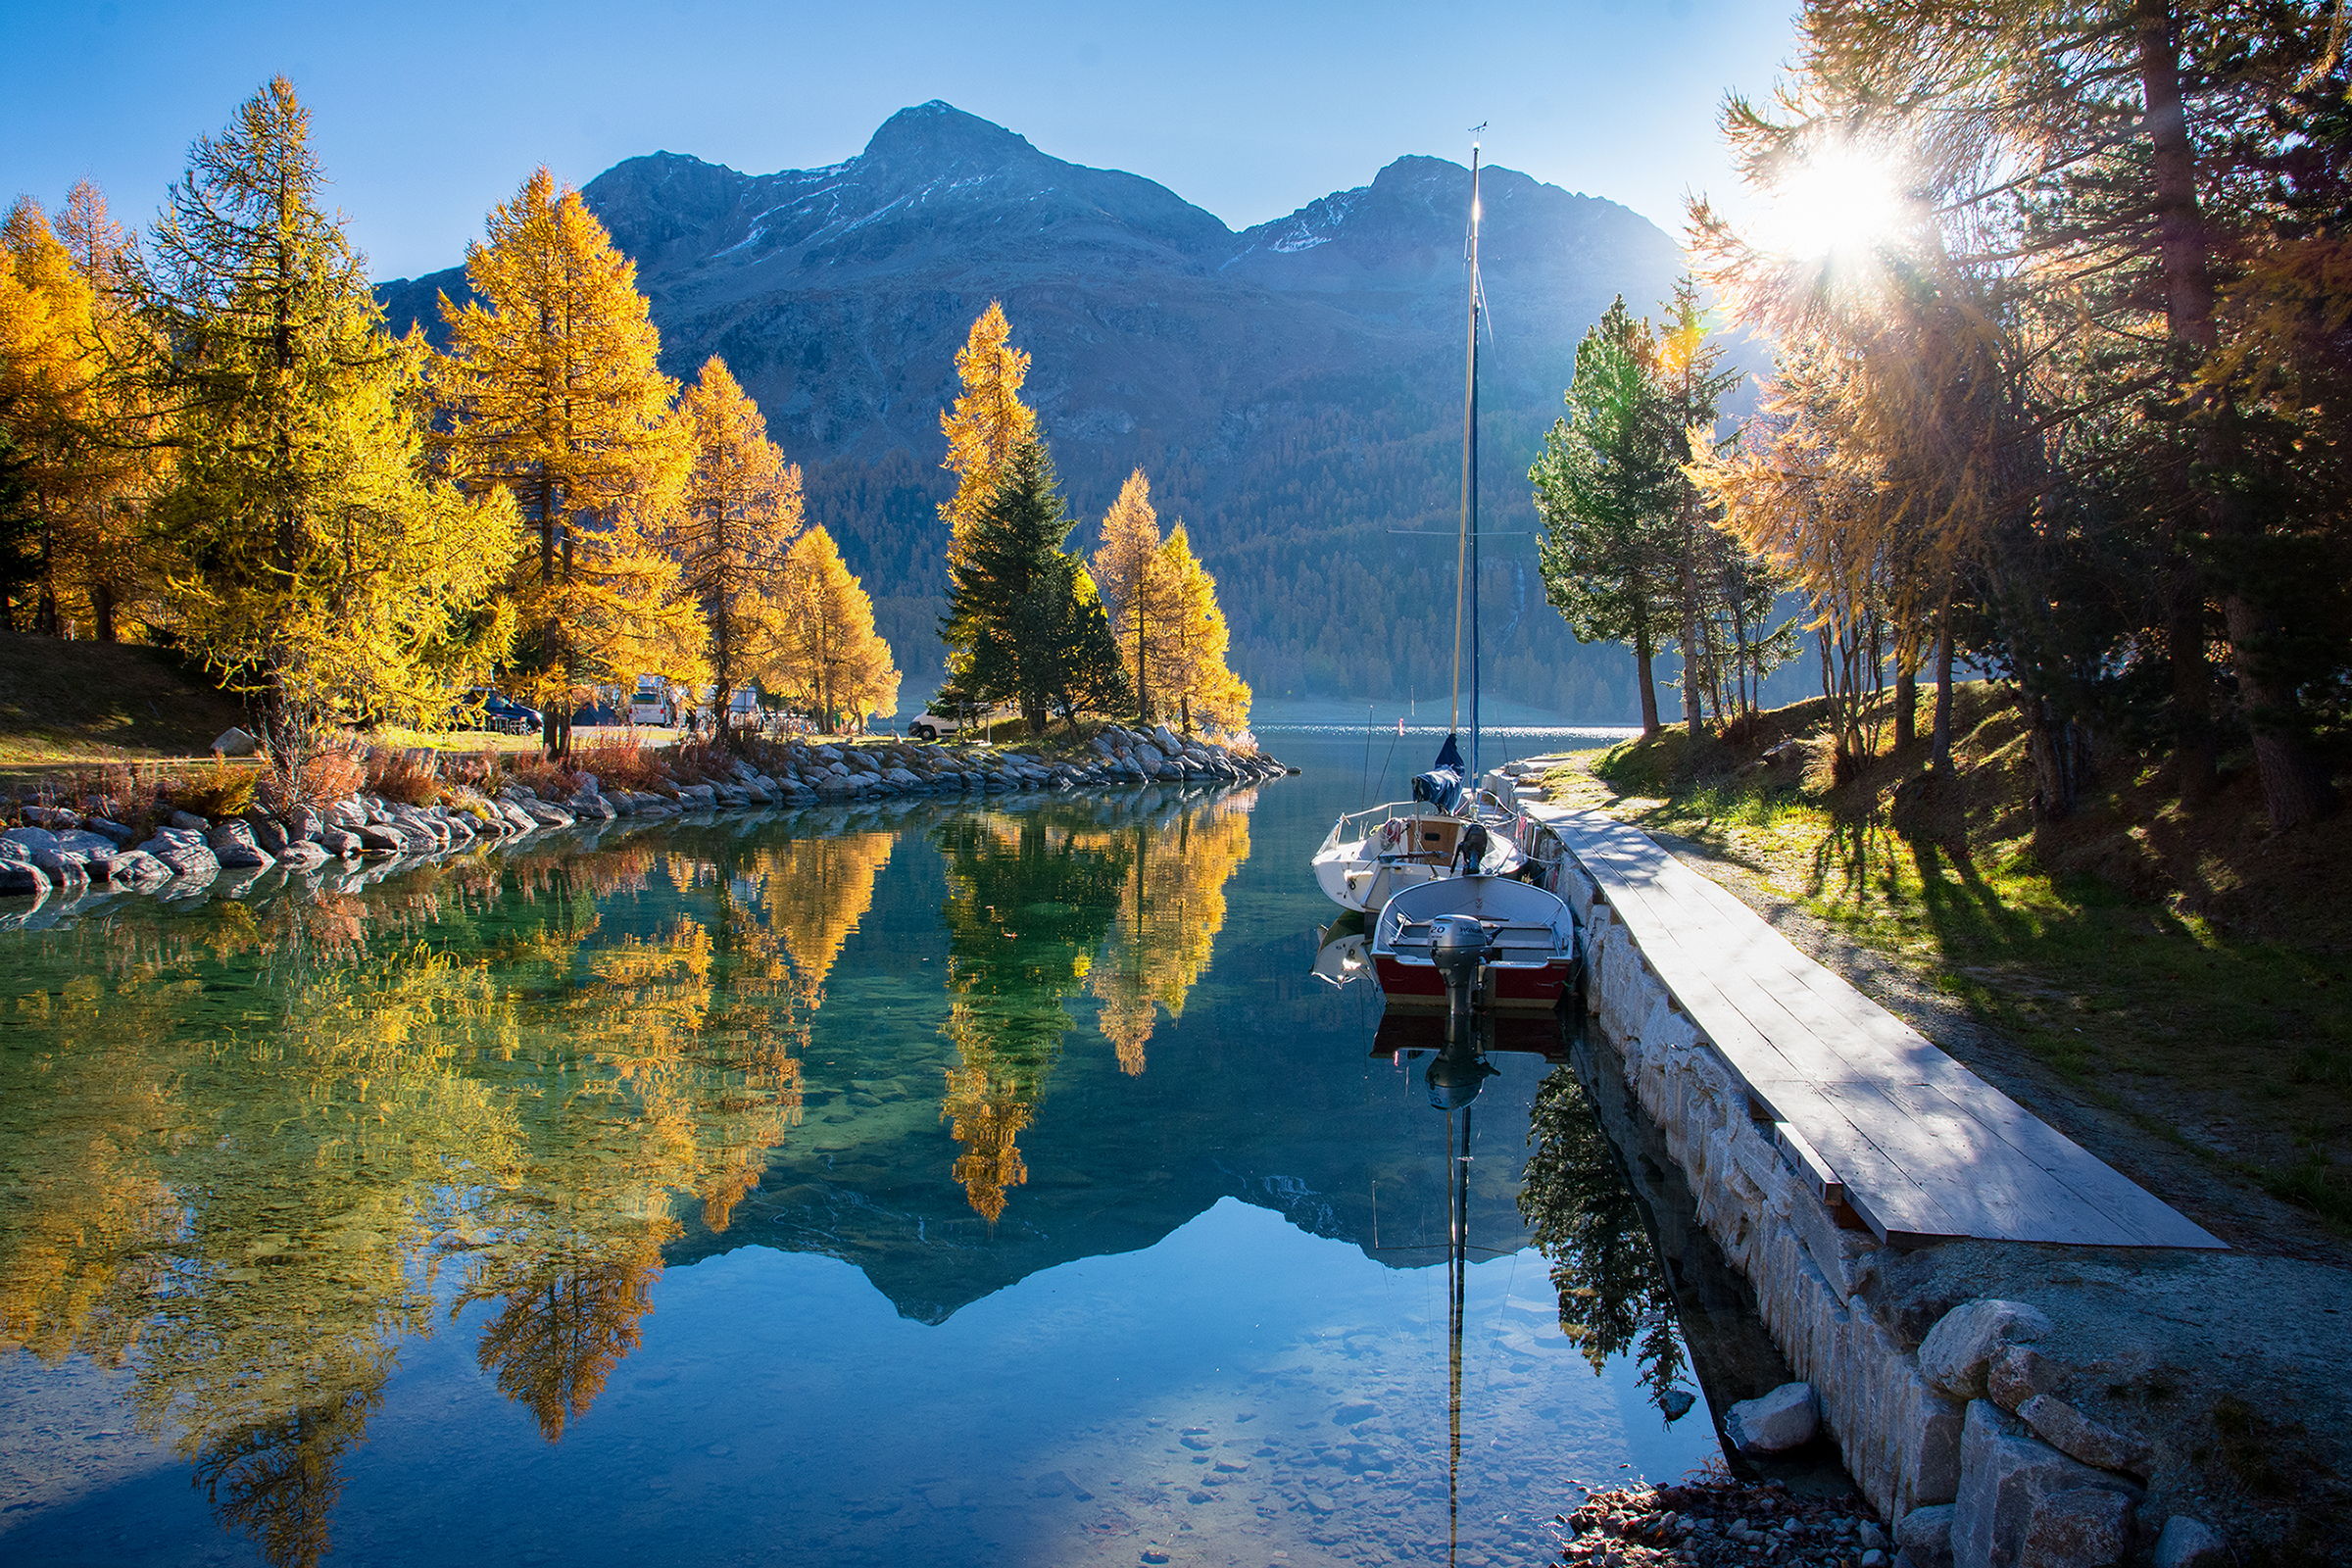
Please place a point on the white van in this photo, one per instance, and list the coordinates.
(652, 705)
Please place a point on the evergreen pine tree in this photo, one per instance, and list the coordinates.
(1024, 623)
(1604, 490)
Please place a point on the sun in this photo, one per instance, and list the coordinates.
(1844, 202)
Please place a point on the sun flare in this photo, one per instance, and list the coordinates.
(1843, 200)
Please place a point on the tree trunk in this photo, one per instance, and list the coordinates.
(1691, 671)
(2061, 754)
(1642, 678)
(2294, 789)
(102, 610)
(1907, 702)
(1940, 745)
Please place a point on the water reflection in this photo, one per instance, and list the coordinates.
(257, 1149)
(1614, 1295)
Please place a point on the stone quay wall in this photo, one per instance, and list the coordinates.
(1953, 1437)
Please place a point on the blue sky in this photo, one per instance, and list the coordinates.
(427, 114)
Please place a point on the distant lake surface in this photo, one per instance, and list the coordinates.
(940, 1182)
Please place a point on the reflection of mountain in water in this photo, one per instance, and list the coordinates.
(1063, 1149)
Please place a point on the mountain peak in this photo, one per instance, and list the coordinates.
(941, 136)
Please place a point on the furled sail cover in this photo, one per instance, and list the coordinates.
(1442, 785)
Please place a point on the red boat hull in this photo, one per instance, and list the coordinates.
(1404, 982)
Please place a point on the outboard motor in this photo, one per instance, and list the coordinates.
(1459, 946)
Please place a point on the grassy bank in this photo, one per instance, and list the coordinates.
(2183, 971)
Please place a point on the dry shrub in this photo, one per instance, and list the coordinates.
(478, 771)
(542, 777)
(329, 774)
(703, 761)
(618, 764)
(412, 777)
(215, 792)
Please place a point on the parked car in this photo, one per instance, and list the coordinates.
(930, 725)
(651, 707)
(485, 709)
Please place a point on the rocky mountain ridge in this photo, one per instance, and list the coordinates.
(1294, 389)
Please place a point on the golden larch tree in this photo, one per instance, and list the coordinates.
(828, 649)
(306, 557)
(1197, 682)
(552, 393)
(732, 529)
(1140, 593)
(987, 426)
(64, 337)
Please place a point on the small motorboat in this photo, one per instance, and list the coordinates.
(1475, 942)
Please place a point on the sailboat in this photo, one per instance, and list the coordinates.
(1458, 909)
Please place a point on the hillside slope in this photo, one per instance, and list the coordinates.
(1293, 390)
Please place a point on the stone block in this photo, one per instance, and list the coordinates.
(2019, 1373)
(2088, 1527)
(1959, 1350)
(33, 840)
(234, 742)
(1774, 1423)
(340, 840)
(136, 868)
(2187, 1544)
(1925, 1537)
(2007, 1474)
(188, 822)
(270, 833)
(2066, 1429)
(382, 839)
(1930, 1448)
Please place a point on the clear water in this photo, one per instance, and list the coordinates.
(935, 1182)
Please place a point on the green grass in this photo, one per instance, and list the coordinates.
(2232, 1042)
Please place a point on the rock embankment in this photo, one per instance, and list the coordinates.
(66, 852)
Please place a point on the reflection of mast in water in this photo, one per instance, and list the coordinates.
(1455, 1078)
(1457, 1258)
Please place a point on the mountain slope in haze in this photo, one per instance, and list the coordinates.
(1293, 390)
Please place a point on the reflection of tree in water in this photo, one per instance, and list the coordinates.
(277, 1477)
(815, 891)
(236, 1132)
(1170, 912)
(1614, 1295)
(1029, 901)
(560, 1333)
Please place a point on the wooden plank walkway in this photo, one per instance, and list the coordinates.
(1920, 1148)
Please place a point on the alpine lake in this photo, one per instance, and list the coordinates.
(940, 1182)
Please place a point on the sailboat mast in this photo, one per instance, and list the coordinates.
(1465, 556)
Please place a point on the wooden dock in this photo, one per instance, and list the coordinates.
(1916, 1146)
